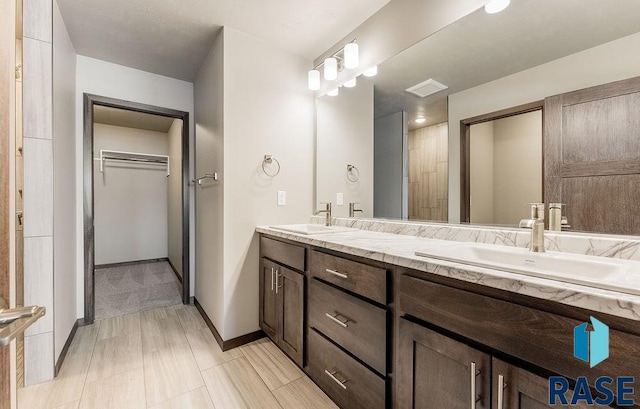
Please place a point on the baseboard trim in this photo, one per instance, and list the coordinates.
(231, 343)
(132, 263)
(66, 346)
(178, 276)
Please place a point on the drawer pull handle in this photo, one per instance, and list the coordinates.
(334, 318)
(337, 273)
(332, 375)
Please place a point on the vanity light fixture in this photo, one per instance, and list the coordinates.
(347, 57)
(334, 92)
(314, 80)
(351, 57)
(421, 120)
(331, 69)
(351, 83)
(496, 6)
(371, 72)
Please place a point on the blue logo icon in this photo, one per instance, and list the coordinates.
(591, 346)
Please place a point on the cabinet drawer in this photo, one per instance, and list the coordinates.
(350, 384)
(368, 281)
(283, 253)
(539, 337)
(356, 325)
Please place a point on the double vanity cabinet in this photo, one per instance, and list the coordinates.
(375, 335)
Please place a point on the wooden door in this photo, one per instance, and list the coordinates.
(268, 306)
(592, 156)
(522, 389)
(7, 36)
(436, 372)
(290, 305)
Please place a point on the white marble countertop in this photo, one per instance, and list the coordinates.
(400, 250)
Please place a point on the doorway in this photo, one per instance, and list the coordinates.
(501, 165)
(139, 162)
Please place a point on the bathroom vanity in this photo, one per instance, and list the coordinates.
(376, 326)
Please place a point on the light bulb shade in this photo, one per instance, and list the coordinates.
(351, 57)
(496, 6)
(314, 80)
(371, 72)
(330, 69)
(333, 92)
(350, 84)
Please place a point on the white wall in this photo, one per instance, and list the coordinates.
(254, 111)
(64, 182)
(481, 173)
(130, 199)
(209, 155)
(174, 195)
(599, 65)
(517, 166)
(112, 80)
(345, 136)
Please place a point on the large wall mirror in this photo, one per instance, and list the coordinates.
(538, 103)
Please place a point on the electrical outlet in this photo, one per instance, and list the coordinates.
(339, 199)
(282, 198)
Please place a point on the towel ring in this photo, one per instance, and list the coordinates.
(353, 174)
(268, 159)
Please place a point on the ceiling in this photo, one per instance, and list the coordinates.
(481, 47)
(131, 119)
(172, 37)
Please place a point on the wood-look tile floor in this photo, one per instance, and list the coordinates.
(167, 358)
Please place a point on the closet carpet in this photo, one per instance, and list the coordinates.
(127, 289)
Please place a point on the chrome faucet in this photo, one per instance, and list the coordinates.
(353, 210)
(536, 224)
(327, 213)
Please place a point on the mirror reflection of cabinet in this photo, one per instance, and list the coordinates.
(592, 156)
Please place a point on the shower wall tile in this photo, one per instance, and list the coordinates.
(37, 90)
(38, 360)
(38, 19)
(38, 280)
(38, 187)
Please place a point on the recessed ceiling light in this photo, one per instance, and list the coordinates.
(496, 6)
(333, 92)
(420, 120)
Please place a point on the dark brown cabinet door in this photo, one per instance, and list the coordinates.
(268, 305)
(290, 305)
(592, 156)
(521, 389)
(436, 372)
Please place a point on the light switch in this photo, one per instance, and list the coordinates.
(340, 199)
(282, 197)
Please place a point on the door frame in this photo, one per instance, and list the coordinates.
(465, 149)
(89, 101)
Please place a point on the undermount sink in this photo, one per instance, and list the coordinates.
(598, 272)
(309, 229)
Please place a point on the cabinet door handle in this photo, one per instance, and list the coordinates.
(333, 376)
(334, 317)
(474, 397)
(271, 278)
(277, 275)
(336, 273)
(501, 388)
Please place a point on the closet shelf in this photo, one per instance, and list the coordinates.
(106, 154)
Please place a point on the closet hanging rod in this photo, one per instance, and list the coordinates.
(106, 154)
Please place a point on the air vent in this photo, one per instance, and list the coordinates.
(426, 88)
